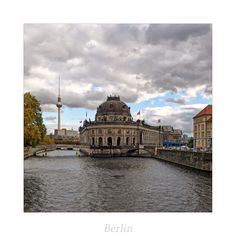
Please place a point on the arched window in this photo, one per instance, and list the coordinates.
(93, 141)
(100, 141)
(109, 141)
(118, 141)
(127, 141)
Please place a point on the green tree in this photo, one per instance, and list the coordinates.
(34, 129)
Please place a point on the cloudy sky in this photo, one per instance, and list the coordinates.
(162, 70)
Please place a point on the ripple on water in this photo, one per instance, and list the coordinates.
(72, 184)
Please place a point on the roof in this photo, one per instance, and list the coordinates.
(206, 111)
(167, 128)
(177, 131)
(113, 106)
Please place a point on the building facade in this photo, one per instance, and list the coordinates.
(202, 127)
(65, 133)
(171, 136)
(114, 127)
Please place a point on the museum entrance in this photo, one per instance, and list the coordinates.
(109, 141)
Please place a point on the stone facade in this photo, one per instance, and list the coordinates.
(197, 160)
(114, 126)
(202, 125)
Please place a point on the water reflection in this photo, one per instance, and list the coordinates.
(68, 183)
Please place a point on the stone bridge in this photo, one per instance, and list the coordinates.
(30, 151)
(197, 160)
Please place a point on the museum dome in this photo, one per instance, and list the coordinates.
(113, 109)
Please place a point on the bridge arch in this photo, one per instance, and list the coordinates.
(140, 152)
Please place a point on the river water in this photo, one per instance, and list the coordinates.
(63, 182)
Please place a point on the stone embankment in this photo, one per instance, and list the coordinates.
(197, 160)
(30, 151)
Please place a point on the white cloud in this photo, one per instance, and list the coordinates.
(50, 118)
(139, 62)
(48, 107)
(74, 61)
(178, 117)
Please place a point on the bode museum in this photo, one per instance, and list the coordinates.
(114, 128)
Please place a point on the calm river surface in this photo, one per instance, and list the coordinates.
(63, 182)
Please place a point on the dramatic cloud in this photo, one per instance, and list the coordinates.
(175, 32)
(139, 62)
(135, 61)
(181, 116)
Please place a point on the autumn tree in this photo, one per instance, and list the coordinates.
(34, 129)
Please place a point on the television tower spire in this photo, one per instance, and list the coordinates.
(59, 105)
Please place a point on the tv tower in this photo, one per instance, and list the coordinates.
(59, 105)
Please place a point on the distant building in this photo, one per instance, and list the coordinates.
(171, 136)
(65, 133)
(202, 127)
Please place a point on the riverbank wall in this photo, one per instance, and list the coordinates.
(197, 160)
(30, 151)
